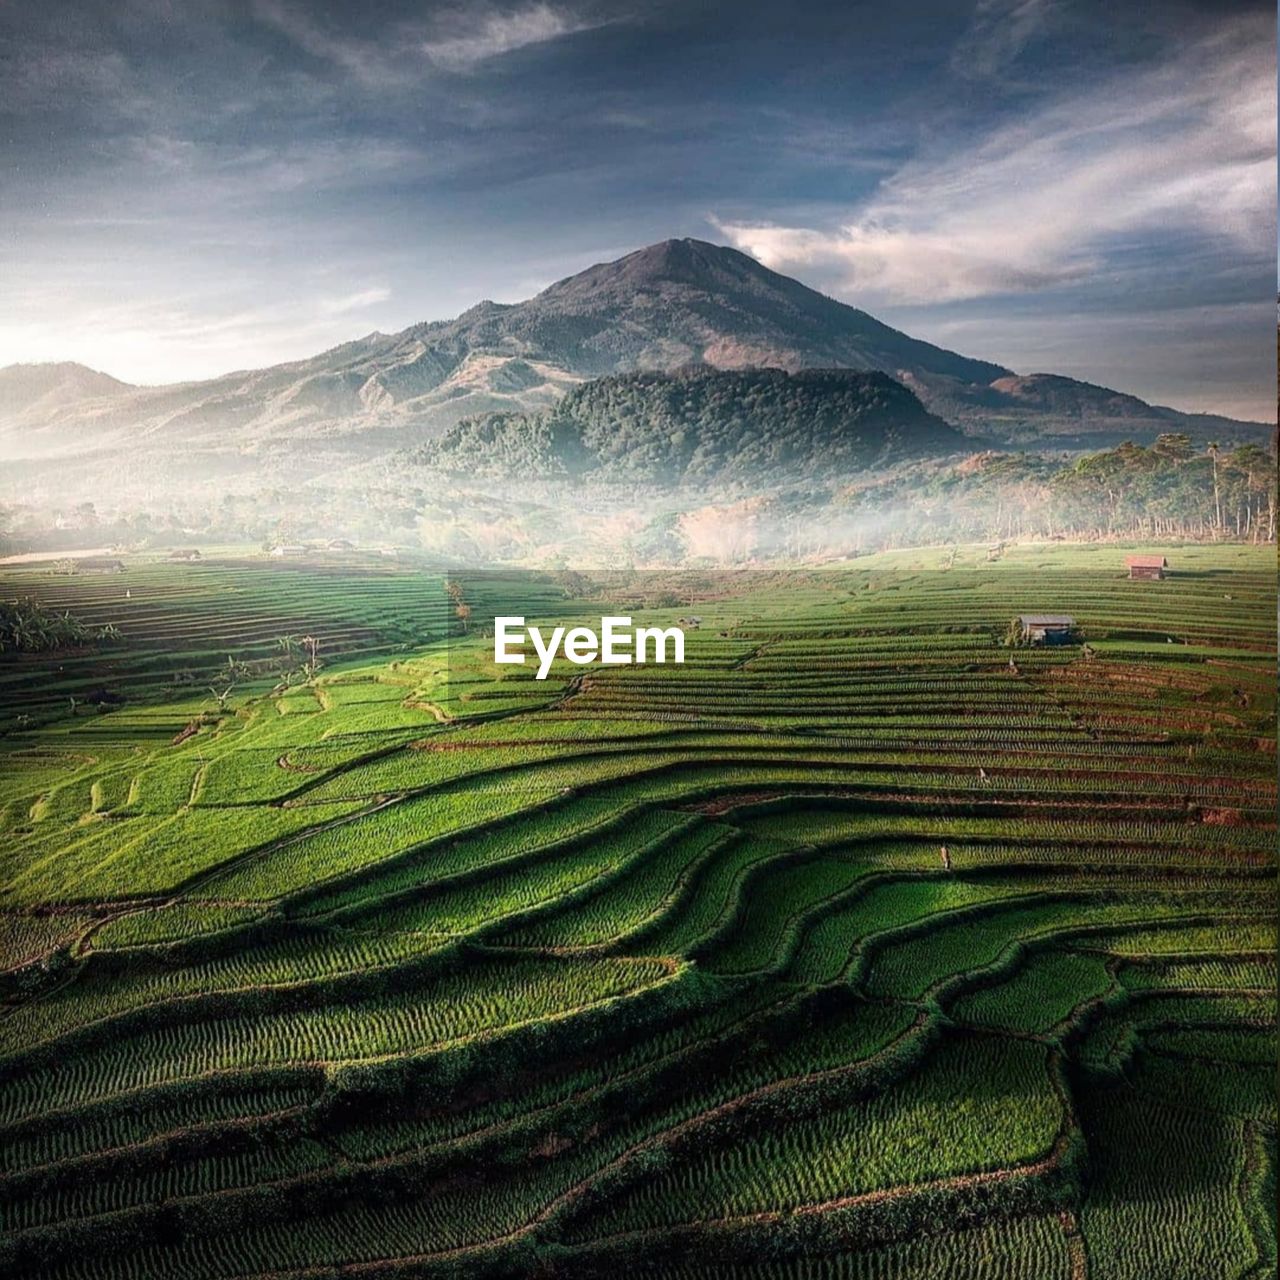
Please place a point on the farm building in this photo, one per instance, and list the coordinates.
(340, 544)
(99, 564)
(1147, 566)
(185, 553)
(1047, 628)
(288, 549)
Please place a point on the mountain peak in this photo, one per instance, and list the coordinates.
(685, 263)
(684, 301)
(28, 386)
(53, 369)
(686, 257)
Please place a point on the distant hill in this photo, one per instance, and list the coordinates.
(661, 308)
(703, 427)
(39, 389)
(1045, 408)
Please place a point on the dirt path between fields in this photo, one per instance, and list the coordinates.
(1077, 1254)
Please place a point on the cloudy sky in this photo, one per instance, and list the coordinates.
(193, 186)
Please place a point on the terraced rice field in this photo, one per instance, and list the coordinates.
(859, 947)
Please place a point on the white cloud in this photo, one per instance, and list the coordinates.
(163, 340)
(455, 41)
(354, 301)
(365, 61)
(499, 33)
(997, 34)
(1189, 147)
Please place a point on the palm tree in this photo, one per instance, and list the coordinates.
(233, 673)
(313, 664)
(1214, 446)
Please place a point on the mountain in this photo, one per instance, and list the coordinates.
(701, 427)
(661, 308)
(1046, 408)
(686, 301)
(38, 390)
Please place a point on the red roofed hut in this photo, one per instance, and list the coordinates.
(1147, 566)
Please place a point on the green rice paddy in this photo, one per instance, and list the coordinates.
(859, 947)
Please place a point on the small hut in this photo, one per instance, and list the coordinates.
(185, 553)
(99, 564)
(1047, 628)
(1147, 567)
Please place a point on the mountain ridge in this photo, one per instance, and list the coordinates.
(662, 307)
(36, 385)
